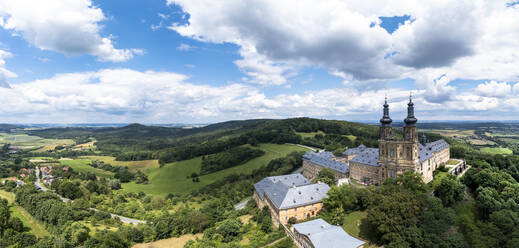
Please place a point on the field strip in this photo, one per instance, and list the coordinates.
(36, 228)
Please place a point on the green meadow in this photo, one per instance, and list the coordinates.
(28, 221)
(24, 141)
(81, 165)
(497, 150)
(173, 177)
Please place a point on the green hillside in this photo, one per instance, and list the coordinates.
(173, 177)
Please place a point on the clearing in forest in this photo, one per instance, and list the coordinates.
(27, 219)
(174, 177)
(81, 165)
(133, 166)
(171, 242)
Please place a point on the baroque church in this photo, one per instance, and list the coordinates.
(395, 155)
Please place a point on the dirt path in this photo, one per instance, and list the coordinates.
(275, 242)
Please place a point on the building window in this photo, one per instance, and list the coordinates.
(393, 153)
(392, 173)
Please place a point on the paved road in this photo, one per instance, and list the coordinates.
(307, 147)
(122, 218)
(37, 183)
(242, 204)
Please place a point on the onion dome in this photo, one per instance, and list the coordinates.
(385, 120)
(410, 120)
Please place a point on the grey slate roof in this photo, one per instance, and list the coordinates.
(324, 235)
(355, 150)
(325, 159)
(426, 152)
(298, 196)
(368, 156)
(285, 180)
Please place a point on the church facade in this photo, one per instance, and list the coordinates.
(395, 155)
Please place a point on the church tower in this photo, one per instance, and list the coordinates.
(385, 123)
(410, 136)
(410, 130)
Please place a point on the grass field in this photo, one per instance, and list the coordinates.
(352, 221)
(453, 162)
(172, 177)
(310, 134)
(169, 243)
(510, 140)
(24, 216)
(97, 227)
(438, 179)
(480, 142)
(496, 150)
(133, 166)
(81, 165)
(450, 132)
(24, 141)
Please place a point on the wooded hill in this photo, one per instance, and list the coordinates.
(137, 142)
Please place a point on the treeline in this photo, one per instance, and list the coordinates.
(62, 153)
(12, 231)
(235, 187)
(137, 142)
(47, 207)
(229, 158)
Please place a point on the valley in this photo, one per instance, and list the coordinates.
(156, 176)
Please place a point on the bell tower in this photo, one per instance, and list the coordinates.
(410, 130)
(385, 123)
(410, 136)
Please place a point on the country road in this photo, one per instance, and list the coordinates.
(242, 204)
(122, 218)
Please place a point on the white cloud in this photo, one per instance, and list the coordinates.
(125, 95)
(516, 88)
(185, 47)
(494, 89)
(468, 39)
(71, 27)
(4, 72)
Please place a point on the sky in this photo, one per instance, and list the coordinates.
(204, 61)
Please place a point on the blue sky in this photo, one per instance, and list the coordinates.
(207, 61)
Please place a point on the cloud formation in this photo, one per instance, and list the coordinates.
(4, 73)
(468, 39)
(71, 27)
(126, 95)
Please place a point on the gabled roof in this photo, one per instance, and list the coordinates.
(324, 235)
(291, 191)
(355, 150)
(369, 156)
(426, 152)
(325, 159)
(299, 196)
(286, 180)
